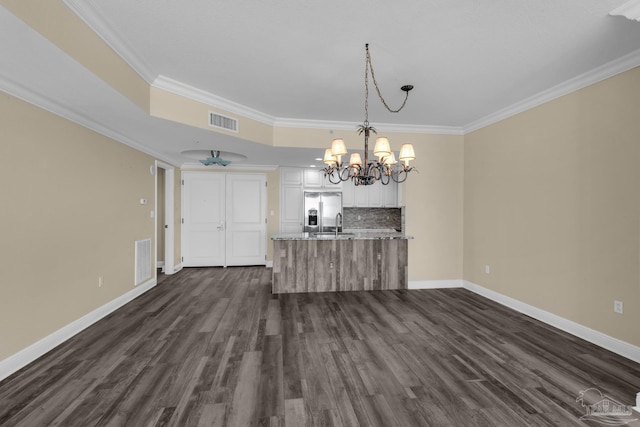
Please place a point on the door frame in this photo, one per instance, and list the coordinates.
(169, 232)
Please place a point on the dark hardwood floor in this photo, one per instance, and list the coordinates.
(213, 347)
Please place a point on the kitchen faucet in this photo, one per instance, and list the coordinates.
(338, 224)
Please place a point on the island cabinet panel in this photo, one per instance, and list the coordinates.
(339, 265)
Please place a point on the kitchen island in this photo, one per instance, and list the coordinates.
(353, 261)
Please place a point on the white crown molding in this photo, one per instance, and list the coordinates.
(315, 124)
(27, 95)
(615, 345)
(230, 167)
(384, 127)
(21, 359)
(182, 89)
(99, 24)
(596, 75)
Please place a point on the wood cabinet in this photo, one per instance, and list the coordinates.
(339, 265)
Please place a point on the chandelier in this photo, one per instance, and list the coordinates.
(386, 167)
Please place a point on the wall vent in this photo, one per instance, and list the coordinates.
(223, 122)
(143, 261)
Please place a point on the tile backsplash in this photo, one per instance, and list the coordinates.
(373, 218)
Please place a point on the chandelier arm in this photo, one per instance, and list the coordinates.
(384, 180)
(400, 176)
(331, 177)
(345, 174)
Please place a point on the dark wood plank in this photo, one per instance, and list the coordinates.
(214, 347)
(339, 265)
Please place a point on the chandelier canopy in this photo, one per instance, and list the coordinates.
(386, 167)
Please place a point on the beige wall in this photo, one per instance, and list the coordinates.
(433, 214)
(552, 204)
(177, 108)
(70, 213)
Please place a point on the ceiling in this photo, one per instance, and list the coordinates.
(471, 62)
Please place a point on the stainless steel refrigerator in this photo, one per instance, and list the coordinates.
(322, 211)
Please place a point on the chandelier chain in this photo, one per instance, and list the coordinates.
(369, 66)
(383, 170)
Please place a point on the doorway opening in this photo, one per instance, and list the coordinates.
(165, 224)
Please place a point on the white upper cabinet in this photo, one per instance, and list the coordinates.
(348, 195)
(372, 196)
(290, 176)
(313, 178)
(390, 194)
(360, 195)
(375, 194)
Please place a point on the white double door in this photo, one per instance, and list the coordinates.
(224, 219)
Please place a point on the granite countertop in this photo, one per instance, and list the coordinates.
(345, 235)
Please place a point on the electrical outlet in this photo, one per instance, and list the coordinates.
(617, 306)
(100, 281)
(487, 269)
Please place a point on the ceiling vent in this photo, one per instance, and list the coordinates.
(223, 122)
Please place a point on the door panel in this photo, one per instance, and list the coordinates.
(204, 219)
(246, 219)
(246, 244)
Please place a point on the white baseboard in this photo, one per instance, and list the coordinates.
(435, 284)
(160, 264)
(615, 345)
(19, 360)
(269, 264)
